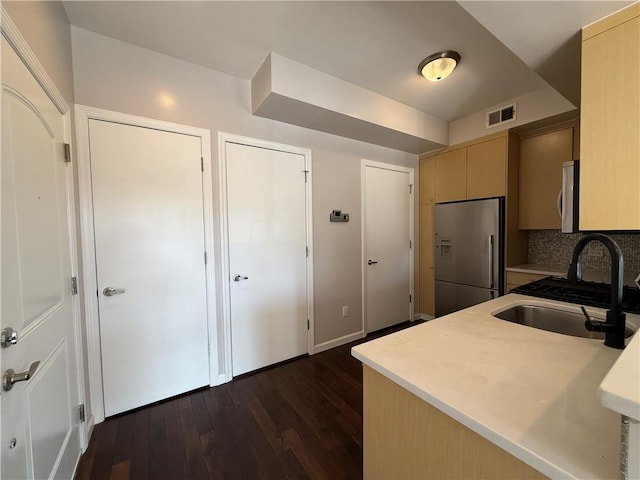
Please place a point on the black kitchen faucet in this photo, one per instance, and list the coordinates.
(614, 326)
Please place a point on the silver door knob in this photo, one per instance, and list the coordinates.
(237, 278)
(110, 291)
(10, 377)
(8, 337)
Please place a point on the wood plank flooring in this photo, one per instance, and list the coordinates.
(299, 419)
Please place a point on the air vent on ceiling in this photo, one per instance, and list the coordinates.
(502, 115)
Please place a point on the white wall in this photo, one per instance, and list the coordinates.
(537, 105)
(121, 77)
(45, 27)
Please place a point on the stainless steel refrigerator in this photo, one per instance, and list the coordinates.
(469, 246)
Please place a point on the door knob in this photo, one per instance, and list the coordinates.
(237, 278)
(110, 291)
(10, 377)
(371, 262)
(8, 337)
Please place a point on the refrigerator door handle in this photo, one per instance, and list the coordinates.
(559, 201)
(491, 261)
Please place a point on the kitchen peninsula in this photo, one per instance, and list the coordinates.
(470, 395)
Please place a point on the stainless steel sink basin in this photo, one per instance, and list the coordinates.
(553, 320)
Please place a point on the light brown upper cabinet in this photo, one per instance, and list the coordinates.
(487, 169)
(610, 123)
(451, 175)
(540, 178)
(427, 180)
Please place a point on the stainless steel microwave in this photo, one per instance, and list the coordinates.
(568, 198)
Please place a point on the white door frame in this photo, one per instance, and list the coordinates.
(396, 168)
(17, 41)
(223, 139)
(83, 115)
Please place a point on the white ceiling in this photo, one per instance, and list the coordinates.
(544, 34)
(375, 45)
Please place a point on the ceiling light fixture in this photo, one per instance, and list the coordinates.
(439, 66)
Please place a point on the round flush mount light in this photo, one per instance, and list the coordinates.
(439, 66)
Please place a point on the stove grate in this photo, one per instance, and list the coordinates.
(591, 294)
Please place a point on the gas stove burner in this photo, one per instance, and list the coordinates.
(583, 293)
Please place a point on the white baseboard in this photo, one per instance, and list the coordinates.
(219, 380)
(338, 341)
(88, 431)
(423, 316)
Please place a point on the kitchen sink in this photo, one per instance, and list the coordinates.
(553, 320)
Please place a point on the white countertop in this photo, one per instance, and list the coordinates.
(620, 390)
(531, 392)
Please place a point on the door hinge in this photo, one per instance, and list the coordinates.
(307, 251)
(305, 175)
(307, 324)
(205, 258)
(81, 414)
(74, 285)
(410, 188)
(67, 153)
(201, 164)
(410, 244)
(409, 298)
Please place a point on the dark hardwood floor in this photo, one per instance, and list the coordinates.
(299, 419)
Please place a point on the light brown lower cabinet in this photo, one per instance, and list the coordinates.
(406, 438)
(515, 279)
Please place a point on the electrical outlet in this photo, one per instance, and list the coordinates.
(345, 311)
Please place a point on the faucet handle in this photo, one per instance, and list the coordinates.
(591, 325)
(585, 313)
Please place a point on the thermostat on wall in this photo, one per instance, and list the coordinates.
(338, 216)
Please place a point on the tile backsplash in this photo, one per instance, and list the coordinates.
(551, 247)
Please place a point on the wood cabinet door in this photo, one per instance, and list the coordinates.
(521, 278)
(541, 159)
(451, 174)
(427, 275)
(610, 122)
(406, 437)
(486, 169)
(428, 180)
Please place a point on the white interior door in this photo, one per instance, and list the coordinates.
(149, 239)
(387, 251)
(40, 422)
(266, 210)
